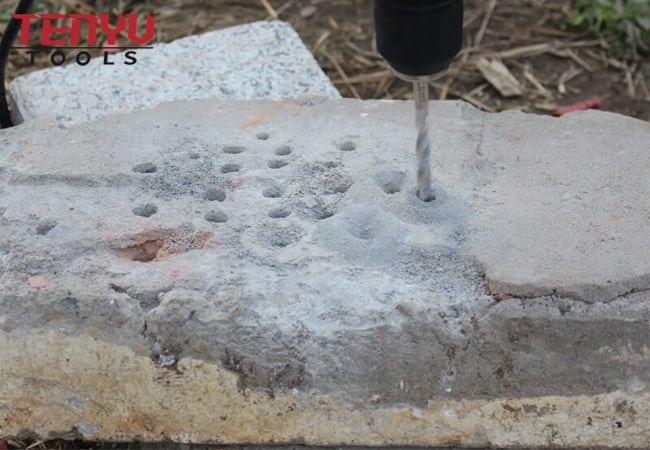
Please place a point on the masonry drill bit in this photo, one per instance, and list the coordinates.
(423, 144)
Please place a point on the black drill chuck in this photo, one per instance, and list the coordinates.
(419, 37)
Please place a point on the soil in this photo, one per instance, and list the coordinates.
(340, 34)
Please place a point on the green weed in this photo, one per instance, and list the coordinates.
(624, 24)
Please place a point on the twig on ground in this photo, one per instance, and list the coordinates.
(284, 7)
(536, 83)
(321, 40)
(568, 53)
(552, 32)
(629, 80)
(456, 68)
(365, 78)
(384, 85)
(567, 76)
(467, 98)
(489, 10)
(269, 9)
(355, 48)
(644, 85)
(538, 49)
(342, 73)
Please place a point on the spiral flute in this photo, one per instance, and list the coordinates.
(423, 144)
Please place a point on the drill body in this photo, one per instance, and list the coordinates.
(419, 38)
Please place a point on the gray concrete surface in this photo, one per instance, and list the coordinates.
(268, 266)
(261, 60)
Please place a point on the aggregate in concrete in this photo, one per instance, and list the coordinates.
(261, 60)
(268, 265)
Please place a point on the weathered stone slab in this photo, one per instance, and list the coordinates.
(261, 60)
(267, 269)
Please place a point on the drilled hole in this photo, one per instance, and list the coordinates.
(216, 217)
(427, 199)
(318, 212)
(147, 210)
(45, 227)
(284, 150)
(281, 240)
(347, 146)
(263, 136)
(364, 232)
(391, 189)
(233, 149)
(391, 181)
(215, 195)
(272, 192)
(230, 168)
(279, 213)
(145, 168)
(280, 235)
(324, 214)
(277, 164)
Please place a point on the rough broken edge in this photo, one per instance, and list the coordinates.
(111, 394)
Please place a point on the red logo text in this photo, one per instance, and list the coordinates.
(74, 32)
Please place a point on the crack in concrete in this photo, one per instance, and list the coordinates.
(515, 292)
(147, 299)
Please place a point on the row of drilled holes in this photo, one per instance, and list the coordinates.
(214, 194)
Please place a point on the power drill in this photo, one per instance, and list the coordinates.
(419, 39)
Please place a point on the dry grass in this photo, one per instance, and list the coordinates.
(552, 66)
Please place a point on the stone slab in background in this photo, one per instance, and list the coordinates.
(262, 272)
(261, 60)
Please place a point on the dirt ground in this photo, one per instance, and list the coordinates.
(553, 67)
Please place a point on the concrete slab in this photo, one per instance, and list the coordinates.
(267, 268)
(261, 60)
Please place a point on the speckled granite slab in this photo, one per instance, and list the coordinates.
(261, 60)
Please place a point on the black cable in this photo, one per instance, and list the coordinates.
(13, 27)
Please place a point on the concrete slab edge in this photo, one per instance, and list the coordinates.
(103, 392)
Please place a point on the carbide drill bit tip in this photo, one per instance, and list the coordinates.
(423, 145)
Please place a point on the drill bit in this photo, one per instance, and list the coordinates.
(423, 144)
